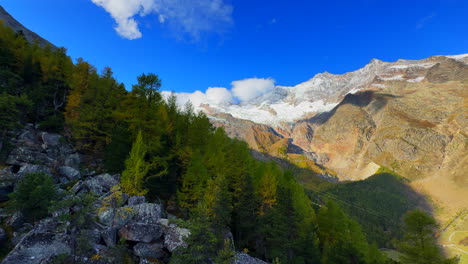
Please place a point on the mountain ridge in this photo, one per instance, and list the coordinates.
(31, 36)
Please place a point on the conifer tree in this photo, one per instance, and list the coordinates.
(135, 168)
(419, 245)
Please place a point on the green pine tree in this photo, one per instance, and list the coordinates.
(419, 245)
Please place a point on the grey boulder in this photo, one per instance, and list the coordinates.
(174, 236)
(148, 213)
(145, 233)
(101, 184)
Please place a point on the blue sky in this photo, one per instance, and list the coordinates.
(221, 41)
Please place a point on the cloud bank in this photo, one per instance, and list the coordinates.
(251, 88)
(241, 91)
(192, 17)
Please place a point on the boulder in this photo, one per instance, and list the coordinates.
(149, 251)
(28, 138)
(145, 233)
(24, 155)
(32, 168)
(40, 245)
(174, 236)
(116, 217)
(69, 173)
(244, 258)
(134, 200)
(148, 213)
(50, 140)
(101, 184)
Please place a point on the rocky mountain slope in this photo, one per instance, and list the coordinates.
(11, 22)
(410, 116)
(113, 226)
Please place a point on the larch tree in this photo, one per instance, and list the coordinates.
(136, 168)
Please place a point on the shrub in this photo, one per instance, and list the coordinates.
(35, 193)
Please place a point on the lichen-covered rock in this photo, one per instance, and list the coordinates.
(134, 200)
(40, 245)
(116, 217)
(244, 258)
(145, 233)
(101, 184)
(148, 213)
(174, 236)
(149, 251)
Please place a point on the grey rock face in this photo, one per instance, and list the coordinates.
(149, 250)
(174, 236)
(244, 258)
(145, 233)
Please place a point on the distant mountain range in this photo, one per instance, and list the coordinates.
(410, 116)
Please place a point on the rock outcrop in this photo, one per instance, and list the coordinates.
(40, 245)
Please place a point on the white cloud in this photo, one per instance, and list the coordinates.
(248, 89)
(243, 90)
(191, 17)
(219, 96)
